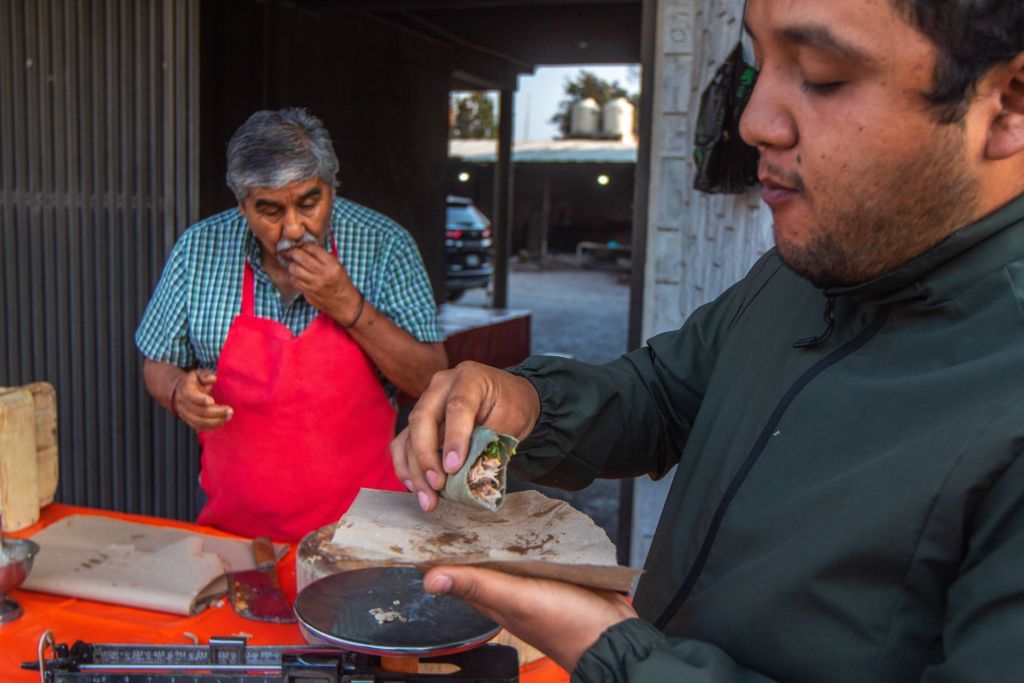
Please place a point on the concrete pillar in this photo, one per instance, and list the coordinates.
(697, 245)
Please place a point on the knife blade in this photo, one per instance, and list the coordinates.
(256, 593)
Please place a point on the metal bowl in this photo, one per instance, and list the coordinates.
(16, 556)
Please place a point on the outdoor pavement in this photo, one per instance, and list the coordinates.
(577, 312)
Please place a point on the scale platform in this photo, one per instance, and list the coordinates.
(231, 660)
(385, 611)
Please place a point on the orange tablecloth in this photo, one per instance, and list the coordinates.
(72, 619)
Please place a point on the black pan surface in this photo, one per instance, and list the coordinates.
(385, 611)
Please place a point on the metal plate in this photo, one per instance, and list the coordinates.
(339, 610)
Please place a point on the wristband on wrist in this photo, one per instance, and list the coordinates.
(359, 313)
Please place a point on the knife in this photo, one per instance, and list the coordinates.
(256, 594)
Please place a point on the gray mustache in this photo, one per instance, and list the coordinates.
(284, 244)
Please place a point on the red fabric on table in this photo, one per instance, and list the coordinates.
(73, 619)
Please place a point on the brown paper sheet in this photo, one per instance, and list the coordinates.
(532, 535)
(139, 565)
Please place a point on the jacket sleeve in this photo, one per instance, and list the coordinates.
(632, 416)
(634, 650)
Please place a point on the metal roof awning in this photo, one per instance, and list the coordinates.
(494, 41)
(575, 151)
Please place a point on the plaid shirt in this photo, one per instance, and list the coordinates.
(200, 290)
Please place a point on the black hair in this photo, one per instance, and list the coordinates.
(972, 37)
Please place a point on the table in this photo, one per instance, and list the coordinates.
(73, 619)
(496, 336)
(499, 337)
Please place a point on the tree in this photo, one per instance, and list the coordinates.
(474, 116)
(587, 84)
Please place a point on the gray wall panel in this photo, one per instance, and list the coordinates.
(98, 176)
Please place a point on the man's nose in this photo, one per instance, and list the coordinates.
(291, 226)
(767, 120)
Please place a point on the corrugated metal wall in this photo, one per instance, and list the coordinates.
(98, 173)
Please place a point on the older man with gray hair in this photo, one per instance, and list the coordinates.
(280, 331)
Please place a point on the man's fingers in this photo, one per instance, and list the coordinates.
(201, 425)
(299, 256)
(210, 412)
(398, 445)
(408, 471)
(202, 418)
(440, 426)
(310, 257)
(460, 417)
(204, 425)
(302, 273)
(428, 413)
(436, 441)
(559, 619)
(315, 252)
(195, 394)
(206, 378)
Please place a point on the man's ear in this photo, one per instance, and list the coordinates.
(1006, 135)
(242, 209)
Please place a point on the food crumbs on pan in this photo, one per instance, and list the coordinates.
(385, 616)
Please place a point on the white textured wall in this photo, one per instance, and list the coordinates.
(697, 244)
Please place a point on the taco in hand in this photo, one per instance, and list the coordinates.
(480, 482)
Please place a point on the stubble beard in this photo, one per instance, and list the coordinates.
(869, 228)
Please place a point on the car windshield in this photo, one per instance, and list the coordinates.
(466, 218)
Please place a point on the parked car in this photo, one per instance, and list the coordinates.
(468, 242)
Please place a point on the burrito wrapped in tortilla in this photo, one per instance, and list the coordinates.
(480, 482)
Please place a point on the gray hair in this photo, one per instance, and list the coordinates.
(275, 148)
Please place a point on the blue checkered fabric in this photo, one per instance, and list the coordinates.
(200, 290)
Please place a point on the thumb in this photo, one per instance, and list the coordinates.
(441, 581)
(481, 588)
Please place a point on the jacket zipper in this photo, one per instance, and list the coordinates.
(862, 338)
(830, 324)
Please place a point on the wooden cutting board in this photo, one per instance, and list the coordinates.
(28, 452)
(19, 497)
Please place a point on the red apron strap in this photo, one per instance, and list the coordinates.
(248, 287)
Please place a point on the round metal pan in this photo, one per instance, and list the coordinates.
(350, 610)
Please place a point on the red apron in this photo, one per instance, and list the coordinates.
(311, 426)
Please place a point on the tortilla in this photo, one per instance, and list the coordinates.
(480, 482)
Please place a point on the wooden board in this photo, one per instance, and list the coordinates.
(19, 498)
(44, 398)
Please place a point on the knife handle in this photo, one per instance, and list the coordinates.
(263, 553)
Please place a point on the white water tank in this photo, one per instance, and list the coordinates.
(617, 119)
(586, 118)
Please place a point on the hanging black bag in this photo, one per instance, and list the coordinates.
(725, 163)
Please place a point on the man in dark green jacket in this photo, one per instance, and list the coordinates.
(849, 499)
